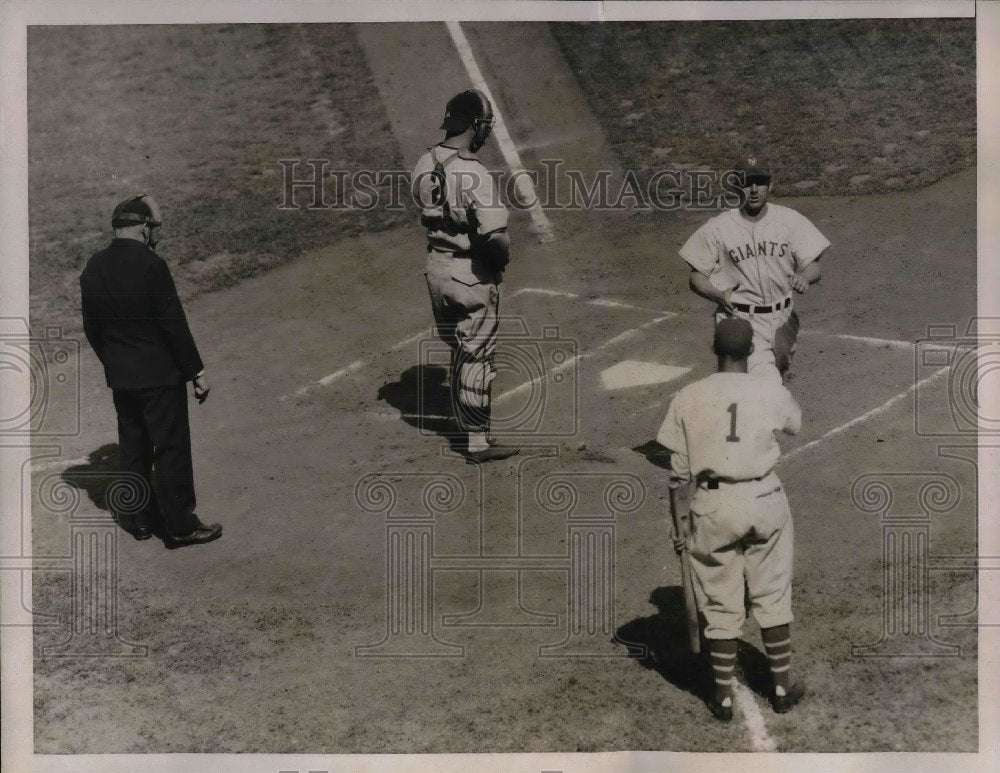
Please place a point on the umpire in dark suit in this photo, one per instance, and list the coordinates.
(136, 325)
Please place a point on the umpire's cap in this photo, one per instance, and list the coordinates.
(464, 108)
(750, 169)
(136, 210)
(733, 338)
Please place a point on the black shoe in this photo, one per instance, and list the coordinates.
(138, 531)
(784, 703)
(720, 712)
(198, 536)
(491, 454)
(142, 532)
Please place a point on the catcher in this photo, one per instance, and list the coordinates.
(467, 251)
(720, 431)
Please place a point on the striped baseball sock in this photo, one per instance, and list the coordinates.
(778, 646)
(723, 654)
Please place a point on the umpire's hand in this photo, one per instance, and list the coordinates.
(201, 388)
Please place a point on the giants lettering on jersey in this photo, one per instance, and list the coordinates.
(762, 250)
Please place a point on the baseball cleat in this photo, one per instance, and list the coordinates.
(785, 703)
(719, 710)
(491, 454)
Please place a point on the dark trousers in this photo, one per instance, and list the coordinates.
(154, 442)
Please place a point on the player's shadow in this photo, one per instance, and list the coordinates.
(663, 641)
(422, 395)
(756, 671)
(655, 453)
(96, 475)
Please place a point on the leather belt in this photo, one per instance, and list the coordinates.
(713, 482)
(747, 309)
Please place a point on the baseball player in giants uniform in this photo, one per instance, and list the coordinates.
(749, 260)
(720, 431)
(467, 251)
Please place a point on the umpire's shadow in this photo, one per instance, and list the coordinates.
(96, 475)
(422, 395)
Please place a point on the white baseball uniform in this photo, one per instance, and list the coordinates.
(460, 207)
(757, 258)
(720, 431)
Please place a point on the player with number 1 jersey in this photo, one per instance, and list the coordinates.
(720, 432)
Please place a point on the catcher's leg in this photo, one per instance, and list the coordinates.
(446, 317)
(474, 373)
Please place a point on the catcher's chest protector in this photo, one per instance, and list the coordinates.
(439, 192)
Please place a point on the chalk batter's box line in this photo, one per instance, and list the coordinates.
(424, 333)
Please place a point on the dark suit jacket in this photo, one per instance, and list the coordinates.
(134, 319)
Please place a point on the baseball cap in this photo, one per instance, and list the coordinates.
(751, 169)
(462, 109)
(136, 210)
(733, 338)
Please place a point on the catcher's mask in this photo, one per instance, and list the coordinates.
(470, 108)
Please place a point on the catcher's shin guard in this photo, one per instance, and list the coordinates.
(471, 380)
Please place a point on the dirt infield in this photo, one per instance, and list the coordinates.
(267, 621)
(321, 445)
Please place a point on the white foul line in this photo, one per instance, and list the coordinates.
(358, 364)
(543, 228)
(879, 341)
(592, 301)
(760, 739)
(56, 464)
(570, 361)
(894, 343)
(329, 378)
(865, 416)
(544, 291)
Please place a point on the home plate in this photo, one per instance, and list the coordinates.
(631, 373)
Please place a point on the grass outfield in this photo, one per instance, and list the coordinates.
(202, 114)
(200, 117)
(838, 107)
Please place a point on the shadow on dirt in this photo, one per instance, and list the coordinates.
(423, 397)
(663, 636)
(655, 453)
(96, 476)
(662, 641)
(756, 672)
